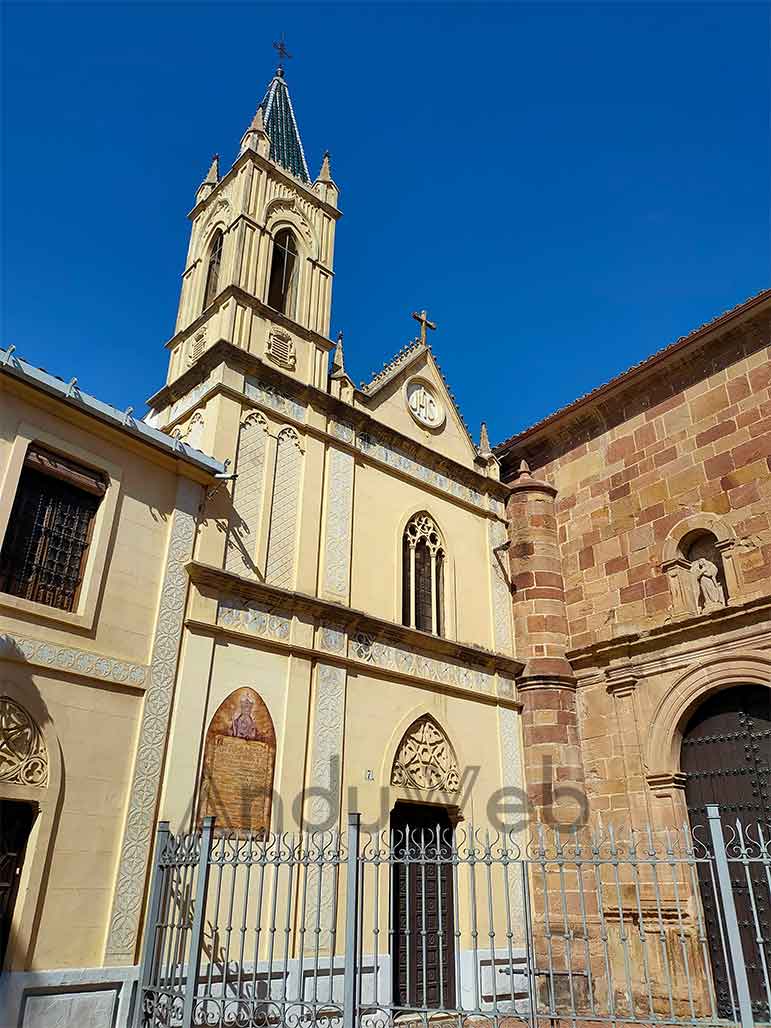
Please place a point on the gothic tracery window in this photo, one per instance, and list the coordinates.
(423, 575)
(282, 285)
(425, 758)
(213, 269)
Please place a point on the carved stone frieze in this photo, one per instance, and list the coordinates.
(78, 662)
(269, 395)
(254, 618)
(338, 527)
(392, 456)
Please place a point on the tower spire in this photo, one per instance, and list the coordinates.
(286, 148)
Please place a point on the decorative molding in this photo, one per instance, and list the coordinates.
(341, 430)
(396, 458)
(501, 595)
(425, 759)
(23, 753)
(448, 657)
(323, 808)
(282, 538)
(255, 618)
(137, 840)
(331, 638)
(77, 662)
(404, 660)
(338, 528)
(269, 395)
(241, 552)
(513, 783)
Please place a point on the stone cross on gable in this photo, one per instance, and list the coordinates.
(422, 318)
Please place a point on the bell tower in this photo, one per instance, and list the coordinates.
(259, 265)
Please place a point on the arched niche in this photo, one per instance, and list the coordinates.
(238, 764)
(698, 559)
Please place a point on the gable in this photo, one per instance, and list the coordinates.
(411, 396)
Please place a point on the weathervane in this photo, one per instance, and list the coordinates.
(283, 53)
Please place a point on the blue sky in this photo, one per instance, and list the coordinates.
(566, 188)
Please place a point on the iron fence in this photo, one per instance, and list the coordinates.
(467, 926)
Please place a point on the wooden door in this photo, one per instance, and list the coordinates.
(726, 757)
(423, 949)
(15, 824)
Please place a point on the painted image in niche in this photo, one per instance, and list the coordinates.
(239, 759)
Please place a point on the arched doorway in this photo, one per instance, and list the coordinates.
(726, 759)
(422, 893)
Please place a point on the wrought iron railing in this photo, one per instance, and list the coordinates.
(467, 926)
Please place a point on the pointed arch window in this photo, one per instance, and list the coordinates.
(213, 269)
(423, 557)
(282, 285)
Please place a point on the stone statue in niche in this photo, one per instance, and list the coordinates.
(707, 573)
(709, 591)
(238, 764)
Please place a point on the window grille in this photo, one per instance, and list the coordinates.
(49, 532)
(283, 273)
(213, 271)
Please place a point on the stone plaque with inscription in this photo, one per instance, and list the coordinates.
(239, 758)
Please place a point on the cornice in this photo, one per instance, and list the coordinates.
(695, 637)
(236, 292)
(353, 620)
(251, 156)
(226, 352)
(688, 360)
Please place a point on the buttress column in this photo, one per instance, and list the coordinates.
(547, 688)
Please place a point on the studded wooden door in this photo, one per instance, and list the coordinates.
(422, 908)
(15, 824)
(726, 756)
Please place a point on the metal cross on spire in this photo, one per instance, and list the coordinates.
(422, 318)
(281, 50)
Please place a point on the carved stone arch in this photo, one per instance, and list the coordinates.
(288, 434)
(285, 212)
(219, 213)
(239, 763)
(31, 773)
(425, 759)
(664, 738)
(706, 522)
(255, 418)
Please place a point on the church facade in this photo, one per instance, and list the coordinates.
(352, 604)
